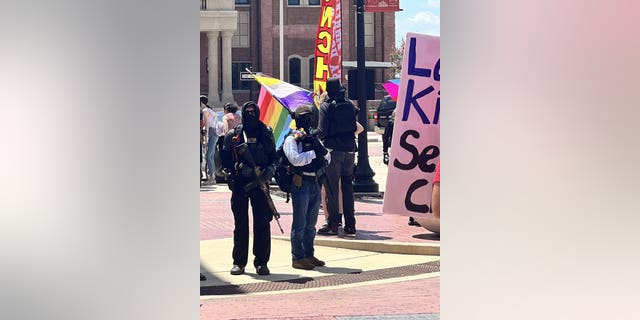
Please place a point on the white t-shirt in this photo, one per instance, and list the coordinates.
(213, 119)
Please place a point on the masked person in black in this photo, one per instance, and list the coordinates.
(249, 159)
(386, 138)
(336, 128)
(305, 153)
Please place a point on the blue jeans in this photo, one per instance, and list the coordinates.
(211, 150)
(306, 203)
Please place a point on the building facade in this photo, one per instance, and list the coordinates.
(253, 42)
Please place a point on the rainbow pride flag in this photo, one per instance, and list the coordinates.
(278, 98)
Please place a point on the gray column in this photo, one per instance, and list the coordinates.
(227, 94)
(214, 69)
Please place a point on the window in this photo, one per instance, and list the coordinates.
(241, 35)
(311, 74)
(236, 68)
(242, 1)
(294, 71)
(303, 2)
(369, 39)
(301, 71)
(368, 30)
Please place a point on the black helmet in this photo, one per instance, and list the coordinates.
(305, 116)
(334, 87)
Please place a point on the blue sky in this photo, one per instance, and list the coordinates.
(421, 16)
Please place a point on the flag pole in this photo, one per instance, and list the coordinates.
(363, 174)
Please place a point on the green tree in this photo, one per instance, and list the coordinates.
(396, 58)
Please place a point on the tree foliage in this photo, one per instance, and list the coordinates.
(396, 58)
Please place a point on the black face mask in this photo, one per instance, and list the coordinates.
(250, 120)
(304, 121)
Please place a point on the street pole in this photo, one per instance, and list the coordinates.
(363, 174)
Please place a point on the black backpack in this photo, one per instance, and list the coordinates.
(284, 172)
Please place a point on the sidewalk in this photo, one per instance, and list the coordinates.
(407, 297)
(389, 268)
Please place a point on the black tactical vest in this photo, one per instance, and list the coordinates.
(342, 126)
(342, 118)
(257, 145)
(316, 164)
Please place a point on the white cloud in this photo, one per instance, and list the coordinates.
(426, 18)
(433, 4)
(418, 16)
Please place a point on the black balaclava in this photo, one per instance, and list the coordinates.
(250, 122)
(305, 117)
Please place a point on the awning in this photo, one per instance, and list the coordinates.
(368, 64)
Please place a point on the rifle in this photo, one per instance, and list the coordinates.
(259, 181)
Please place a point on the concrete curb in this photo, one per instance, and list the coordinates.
(376, 246)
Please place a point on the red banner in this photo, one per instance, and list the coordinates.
(382, 5)
(328, 51)
(335, 56)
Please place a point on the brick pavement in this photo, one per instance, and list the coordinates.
(400, 298)
(216, 220)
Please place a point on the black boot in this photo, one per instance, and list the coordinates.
(413, 222)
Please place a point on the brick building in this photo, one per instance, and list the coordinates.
(254, 41)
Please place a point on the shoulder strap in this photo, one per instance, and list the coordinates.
(237, 131)
(333, 104)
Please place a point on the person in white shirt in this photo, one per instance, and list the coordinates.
(211, 137)
(306, 154)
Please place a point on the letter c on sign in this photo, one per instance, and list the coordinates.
(422, 208)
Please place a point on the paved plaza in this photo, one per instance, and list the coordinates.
(390, 270)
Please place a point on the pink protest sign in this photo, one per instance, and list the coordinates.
(415, 147)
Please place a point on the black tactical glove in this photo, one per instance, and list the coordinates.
(319, 149)
(315, 142)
